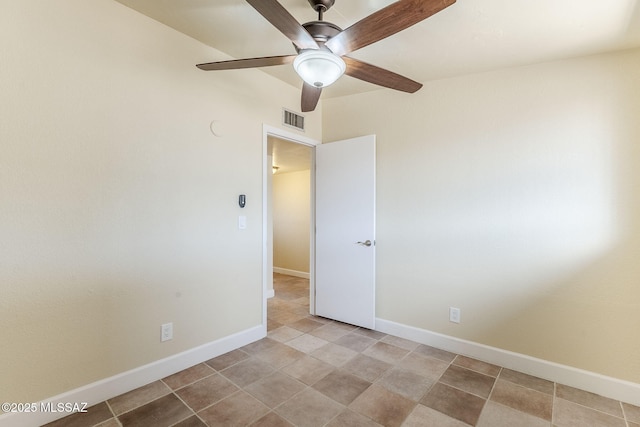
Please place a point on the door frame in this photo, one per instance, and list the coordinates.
(267, 171)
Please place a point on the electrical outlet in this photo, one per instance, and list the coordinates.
(166, 332)
(454, 314)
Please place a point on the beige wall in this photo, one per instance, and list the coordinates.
(118, 207)
(515, 196)
(291, 220)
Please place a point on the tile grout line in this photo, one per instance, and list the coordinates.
(495, 382)
(624, 414)
(112, 413)
(193, 382)
(623, 418)
(117, 416)
(553, 404)
(193, 412)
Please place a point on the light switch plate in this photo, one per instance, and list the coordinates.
(242, 222)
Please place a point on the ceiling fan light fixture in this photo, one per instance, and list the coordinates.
(319, 68)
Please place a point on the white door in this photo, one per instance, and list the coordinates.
(345, 231)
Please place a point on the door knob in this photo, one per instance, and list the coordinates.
(365, 243)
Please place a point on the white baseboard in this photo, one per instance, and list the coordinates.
(294, 273)
(108, 388)
(613, 388)
(270, 293)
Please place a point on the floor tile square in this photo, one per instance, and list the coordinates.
(272, 325)
(332, 331)
(275, 389)
(280, 355)
(590, 400)
(406, 383)
(570, 414)
(425, 366)
(271, 420)
(341, 386)
(436, 353)
(334, 354)
(302, 310)
(422, 416)
(138, 397)
(206, 391)
(366, 367)
(523, 399)
(308, 369)
(228, 359)
(383, 406)
(306, 325)
(304, 301)
(286, 317)
(455, 403)
(386, 352)
(307, 343)
(239, 409)
(400, 342)
(355, 342)
(248, 371)
(467, 380)
(260, 346)
(349, 418)
(163, 412)
(528, 381)
(284, 334)
(309, 408)
(477, 365)
(496, 415)
(376, 335)
(188, 376)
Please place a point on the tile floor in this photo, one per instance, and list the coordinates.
(315, 372)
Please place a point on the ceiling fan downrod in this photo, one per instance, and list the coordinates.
(321, 6)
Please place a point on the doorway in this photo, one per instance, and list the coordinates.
(288, 214)
(291, 206)
(342, 254)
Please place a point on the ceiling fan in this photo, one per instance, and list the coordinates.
(322, 46)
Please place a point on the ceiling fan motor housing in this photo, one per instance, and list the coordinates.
(321, 31)
(323, 5)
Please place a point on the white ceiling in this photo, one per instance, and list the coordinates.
(289, 156)
(468, 37)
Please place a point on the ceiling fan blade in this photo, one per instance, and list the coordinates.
(380, 76)
(310, 97)
(235, 64)
(280, 18)
(384, 23)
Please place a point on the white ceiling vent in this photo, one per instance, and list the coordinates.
(289, 118)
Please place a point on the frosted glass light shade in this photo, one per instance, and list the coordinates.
(319, 68)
